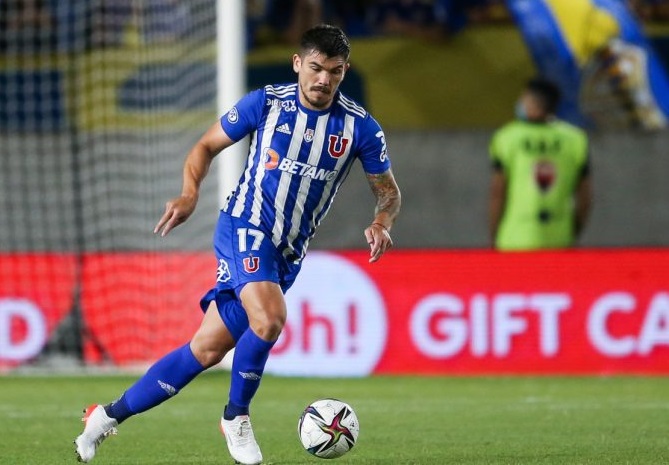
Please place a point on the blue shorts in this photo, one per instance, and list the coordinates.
(244, 254)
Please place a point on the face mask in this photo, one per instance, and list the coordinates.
(520, 111)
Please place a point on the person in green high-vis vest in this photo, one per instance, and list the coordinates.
(540, 193)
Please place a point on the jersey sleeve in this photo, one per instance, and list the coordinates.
(243, 118)
(496, 152)
(586, 166)
(373, 151)
(584, 145)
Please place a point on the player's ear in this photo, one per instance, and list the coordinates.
(346, 67)
(297, 63)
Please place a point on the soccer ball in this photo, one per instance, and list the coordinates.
(328, 428)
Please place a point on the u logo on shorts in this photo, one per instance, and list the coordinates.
(251, 264)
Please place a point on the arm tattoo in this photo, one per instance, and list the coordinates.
(386, 192)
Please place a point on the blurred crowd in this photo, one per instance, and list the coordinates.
(283, 20)
(651, 10)
(106, 22)
(74, 25)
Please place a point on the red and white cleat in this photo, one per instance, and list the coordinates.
(98, 427)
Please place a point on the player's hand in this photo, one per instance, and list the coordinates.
(177, 211)
(379, 241)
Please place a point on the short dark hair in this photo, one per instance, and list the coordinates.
(547, 91)
(326, 39)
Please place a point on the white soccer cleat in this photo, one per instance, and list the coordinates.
(241, 441)
(98, 427)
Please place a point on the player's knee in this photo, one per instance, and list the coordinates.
(208, 352)
(269, 327)
(208, 357)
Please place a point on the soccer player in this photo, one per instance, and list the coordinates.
(540, 193)
(304, 139)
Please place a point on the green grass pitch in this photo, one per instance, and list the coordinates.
(403, 420)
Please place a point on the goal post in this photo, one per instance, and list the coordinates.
(230, 85)
(230, 82)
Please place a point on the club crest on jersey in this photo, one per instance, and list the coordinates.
(251, 264)
(545, 174)
(233, 116)
(271, 159)
(308, 135)
(223, 271)
(337, 146)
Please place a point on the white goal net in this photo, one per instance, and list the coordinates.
(99, 103)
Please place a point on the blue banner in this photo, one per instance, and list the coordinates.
(598, 54)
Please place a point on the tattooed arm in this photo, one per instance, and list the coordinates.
(388, 201)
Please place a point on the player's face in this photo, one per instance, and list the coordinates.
(532, 106)
(318, 77)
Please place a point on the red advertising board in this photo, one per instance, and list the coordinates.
(36, 292)
(139, 306)
(550, 312)
(413, 312)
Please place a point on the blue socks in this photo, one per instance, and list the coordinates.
(178, 368)
(248, 365)
(163, 380)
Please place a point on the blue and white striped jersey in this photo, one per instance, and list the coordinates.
(297, 160)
